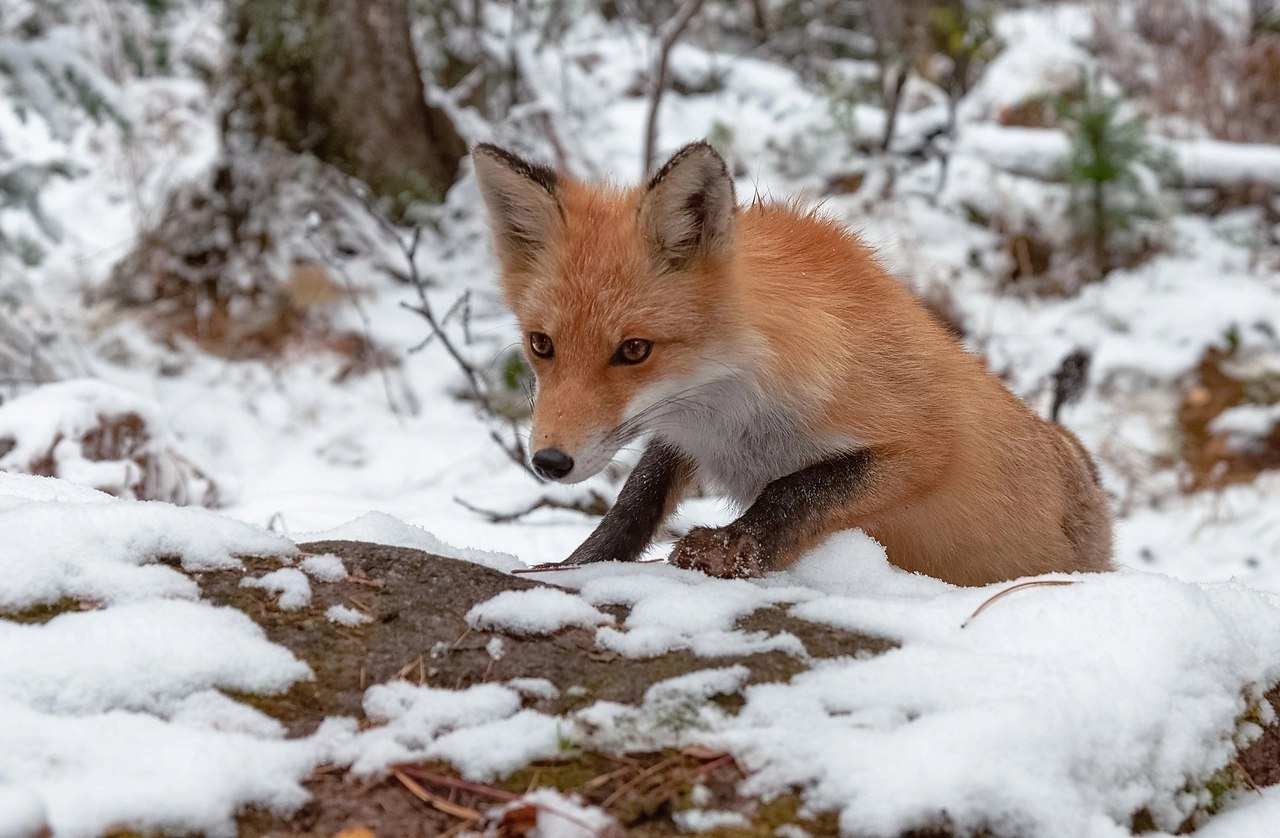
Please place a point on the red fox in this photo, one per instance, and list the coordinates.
(766, 354)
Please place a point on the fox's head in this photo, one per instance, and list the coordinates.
(620, 294)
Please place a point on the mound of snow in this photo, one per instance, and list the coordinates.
(1058, 711)
(380, 528)
(112, 715)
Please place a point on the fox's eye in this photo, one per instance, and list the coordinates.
(632, 351)
(541, 345)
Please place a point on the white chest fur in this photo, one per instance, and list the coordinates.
(741, 441)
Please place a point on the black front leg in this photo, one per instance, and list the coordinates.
(789, 513)
(649, 495)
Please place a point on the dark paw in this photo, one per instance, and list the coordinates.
(725, 552)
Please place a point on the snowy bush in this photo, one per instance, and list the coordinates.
(1216, 65)
(34, 345)
(254, 258)
(101, 436)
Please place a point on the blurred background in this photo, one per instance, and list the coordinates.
(243, 261)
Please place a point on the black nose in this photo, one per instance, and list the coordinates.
(552, 463)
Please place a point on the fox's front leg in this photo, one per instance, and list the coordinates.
(788, 516)
(650, 494)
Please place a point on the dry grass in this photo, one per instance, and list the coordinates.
(1208, 460)
(1182, 59)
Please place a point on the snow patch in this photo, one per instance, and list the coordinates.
(290, 583)
(566, 816)
(105, 552)
(537, 611)
(345, 615)
(325, 568)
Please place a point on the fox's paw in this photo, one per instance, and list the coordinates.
(725, 552)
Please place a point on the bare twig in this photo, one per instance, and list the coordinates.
(366, 325)
(667, 41)
(435, 801)
(403, 772)
(893, 102)
(1040, 583)
(475, 380)
(593, 504)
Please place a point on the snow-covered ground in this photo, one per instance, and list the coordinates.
(1101, 698)
(1117, 693)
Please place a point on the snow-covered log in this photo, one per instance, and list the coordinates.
(1039, 152)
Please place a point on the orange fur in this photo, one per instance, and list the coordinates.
(970, 486)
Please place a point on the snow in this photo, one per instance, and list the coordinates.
(1246, 426)
(55, 424)
(104, 707)
(1103, 697)
(117, 768)
(105, 551)
(24, 814)
(565, 816)
(17, 489)
(345, 615)
(1255, 814)
(380, 528)
(533, 612)
(173, 648)
(290, 583)
(701, 820)
(535, 687)
(481, 730)
(324, 568)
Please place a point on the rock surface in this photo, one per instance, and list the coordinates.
(416, 603)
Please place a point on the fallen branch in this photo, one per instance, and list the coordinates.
(1038, 153)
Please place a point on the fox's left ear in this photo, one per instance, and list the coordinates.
(689, 207)
(524, 210)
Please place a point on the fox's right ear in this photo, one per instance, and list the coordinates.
(521, 199)
(688, 209)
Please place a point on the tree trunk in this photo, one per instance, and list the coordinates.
(338, 79)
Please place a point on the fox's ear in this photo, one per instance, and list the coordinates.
(520, 197)
(688, 210)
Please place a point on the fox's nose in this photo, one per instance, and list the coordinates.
(552, 463)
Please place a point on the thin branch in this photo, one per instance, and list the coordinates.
(594, 504)
(475, 380)
(411, 772)
(435, 801)
(1040, 583)
(366, 325)
(668, 40)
